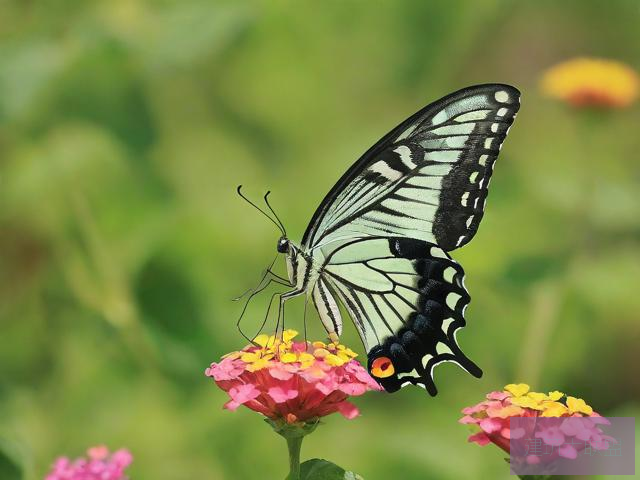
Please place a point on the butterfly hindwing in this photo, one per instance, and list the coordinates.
(428, 178)
(407, 300)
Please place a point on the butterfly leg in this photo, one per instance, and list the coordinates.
(283, 298)
(266, 316)
(268, 272)
(255, 292)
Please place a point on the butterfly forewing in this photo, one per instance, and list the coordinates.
(427, 179)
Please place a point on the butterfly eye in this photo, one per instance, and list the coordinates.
(283, 245)
(382, 367)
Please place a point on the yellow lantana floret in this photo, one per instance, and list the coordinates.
(334, 360)
(555, 395)
(554, 409)
(578, 405)
(288, 357)
(548, 404)
(517, 389)
(281, 348)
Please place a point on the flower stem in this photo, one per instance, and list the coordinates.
(293, 434)
(294, 443)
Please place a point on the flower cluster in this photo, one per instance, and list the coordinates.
(100, 465)
(590, 82)
(292, 381)
(493, 416)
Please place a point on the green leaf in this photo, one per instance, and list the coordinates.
(319, 469)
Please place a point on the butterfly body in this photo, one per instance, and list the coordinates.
(378, 244)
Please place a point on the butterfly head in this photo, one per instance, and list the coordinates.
(283, 244)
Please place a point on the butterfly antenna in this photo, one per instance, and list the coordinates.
(266, 200)
(277, 224)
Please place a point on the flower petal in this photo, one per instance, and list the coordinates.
(517, 389)
(551, 436)
(468, 419)
(497, 395)
(279, 373)
(480, 438)
(241, 394)
(353, 389)
(490, 425)
(474, 409)
(568, 451)
(348, 410)
(555, 395)
(281, 395)
(578, 405)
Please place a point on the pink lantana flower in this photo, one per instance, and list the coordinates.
(292, 384)
(291, 381)
(569, 423)
(99, 465)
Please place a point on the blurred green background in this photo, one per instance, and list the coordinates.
(125, 126)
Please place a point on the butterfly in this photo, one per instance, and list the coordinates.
(379, 242)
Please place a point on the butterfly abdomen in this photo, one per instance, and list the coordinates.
(427, 337)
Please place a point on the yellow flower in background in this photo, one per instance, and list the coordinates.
(592, 82)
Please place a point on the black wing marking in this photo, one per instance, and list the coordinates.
(426, 179)
(407, 301)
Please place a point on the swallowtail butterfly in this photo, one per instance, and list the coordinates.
(379, 242)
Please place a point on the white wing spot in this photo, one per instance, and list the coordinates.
(461, 129)
(470, 116)
(465, 197)
(494, 128)
(446, 322)
(385, 170)
(449, 273)
(442, 348)
(439, 117)
(442, 156)
(426, 359)
(412, 373)
(502, 96)
(487, 143)
(469, 220)
(437, 252)
(455, 142)
(483, 160)
(502, 112)
(462, 237)
(452, 300)
(405, 156)
(407, 132)
(473, 176)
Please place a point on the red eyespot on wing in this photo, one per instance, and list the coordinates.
(382, 367)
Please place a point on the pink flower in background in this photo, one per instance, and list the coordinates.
(292, 381)
(569, 422)
(100, 465)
